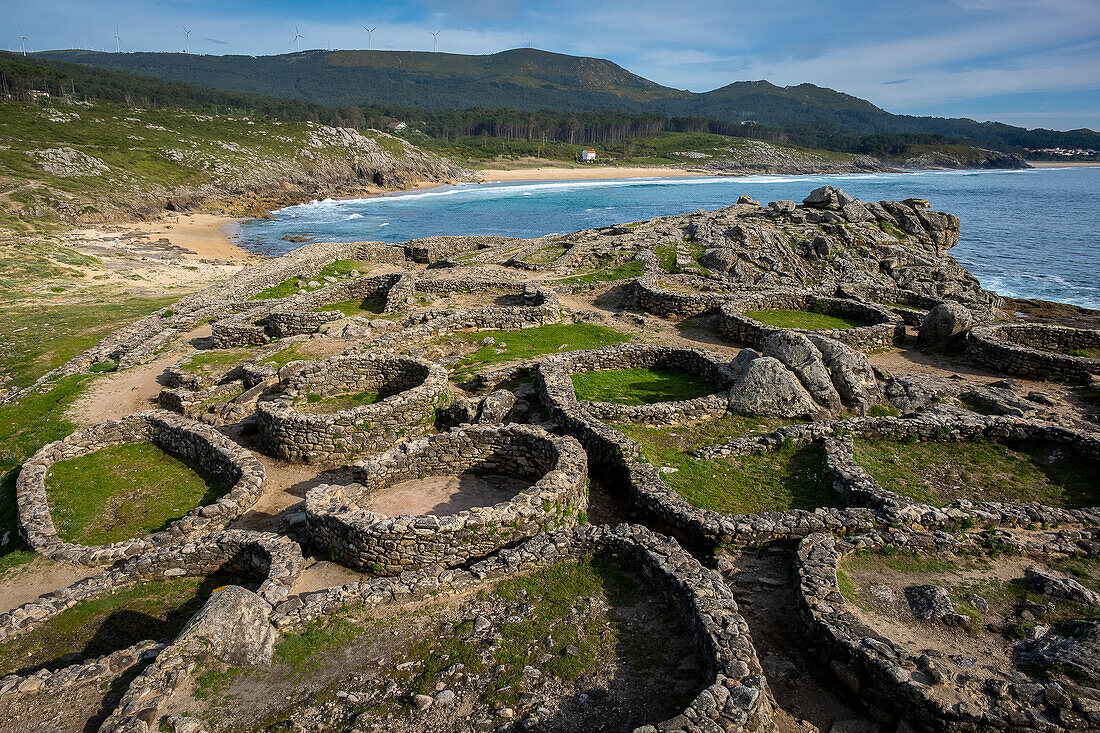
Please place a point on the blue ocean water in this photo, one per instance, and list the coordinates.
(1027, 234)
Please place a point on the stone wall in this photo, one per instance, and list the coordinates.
(696, 362)
(738, 699)
(651, 297)
(1032, 351)
(886, 329)
(417, 387)
(273, 560)
(557, 496)
(216, 454)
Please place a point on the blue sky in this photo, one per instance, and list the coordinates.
(1035, 64)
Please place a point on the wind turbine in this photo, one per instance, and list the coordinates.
(22, 41)
(118, 44)
(435, 40)
(370, 45)
(186, 40)
(297, 39)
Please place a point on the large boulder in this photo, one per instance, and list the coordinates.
(945, 324)
(1079, 653)
(234, 627)
(851, 373)
(1054, 585)
(912, 392)
(491, 409)
(929, 602)
(799, 354)
(767, 388)
(824, 197)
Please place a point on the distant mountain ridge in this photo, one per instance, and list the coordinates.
(531, 79)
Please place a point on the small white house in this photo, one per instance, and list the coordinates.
(587, 156)
(396, 127)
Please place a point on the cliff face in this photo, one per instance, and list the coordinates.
(90, 163)
(961, 157)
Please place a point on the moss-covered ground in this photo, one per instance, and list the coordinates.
(154, 610)
(789, 477)
(938, 472)
(528, 343)
(625, 271)
(640, 386)
(315, 404)
(289, 286)
(124, 491)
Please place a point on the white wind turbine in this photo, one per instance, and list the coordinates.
(435, 40)
(118, 43)
(22, 41)
(297, 39)
(370, 44)
(186, 40)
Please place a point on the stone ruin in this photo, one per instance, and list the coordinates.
(884, 264)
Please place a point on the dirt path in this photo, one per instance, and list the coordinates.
(114, 396)
(443, 495)
(26, 583)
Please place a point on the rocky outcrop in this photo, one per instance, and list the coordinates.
(944, 324)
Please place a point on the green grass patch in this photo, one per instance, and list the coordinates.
(289, 286)
(38, 338)
(357, 307)
(545, 255)
(156, 609)
(789, 477)
(1086, 353)
(316, 404)
(294, 352)
(25, 426)
(626, 271)
(528, 343)
(124, 491)
(640, 386)
(938, 472)
(666, 255)
(302, 651)
(782, 318)
(217, 360)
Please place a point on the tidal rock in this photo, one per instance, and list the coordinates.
(944, 324)
(824, 197)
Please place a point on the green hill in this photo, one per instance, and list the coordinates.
(530, 80)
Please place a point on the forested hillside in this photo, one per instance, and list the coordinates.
(530, 80)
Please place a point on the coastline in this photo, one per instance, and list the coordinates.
(201, 236)
(562, 173)
(1064, 164)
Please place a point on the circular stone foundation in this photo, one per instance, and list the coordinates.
(882, 330)
(408, 390)
(1037, 351)
(958, 633)
(536, 482)
(213, 452)
(557, 373)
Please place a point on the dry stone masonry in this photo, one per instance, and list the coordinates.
(214, 453)
(556, 497)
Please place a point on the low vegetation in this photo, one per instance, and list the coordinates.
(640, 386)
(782, 318)
(545, 255)
(290, 287)
(217, 361)
(360, 306)
(789, 477)
(124, 491)
(531, 342)
(626, 271)
(316, 404)
(938, 472)
(155, 610)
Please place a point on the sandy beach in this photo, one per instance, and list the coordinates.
(203, 236)
(560, 173)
